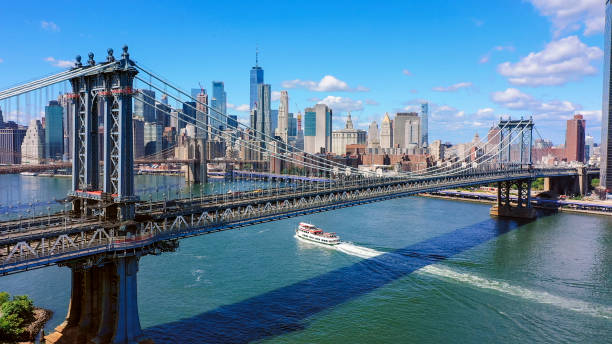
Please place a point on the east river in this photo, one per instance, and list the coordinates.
(439, 272)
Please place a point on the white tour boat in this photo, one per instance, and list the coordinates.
(311, 233)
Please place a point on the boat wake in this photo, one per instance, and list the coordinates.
(541, 297)
(358, 251)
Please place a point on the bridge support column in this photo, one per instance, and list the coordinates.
(521, 208)
(103, 305)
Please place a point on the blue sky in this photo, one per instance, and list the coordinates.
(472, 60)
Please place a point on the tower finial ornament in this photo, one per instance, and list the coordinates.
(125, 54)
(110, 57)
(91, 61)
(78, 63)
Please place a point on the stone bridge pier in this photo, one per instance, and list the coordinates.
(103, 304)
(519, 208)
(569, 185)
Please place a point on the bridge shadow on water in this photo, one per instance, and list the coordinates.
(285, 309)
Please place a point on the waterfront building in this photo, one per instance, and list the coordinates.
(606, 110)
(33, 145)
(347, 136)
(1, 120)
(54, 131)
(317, 129)
(424, 127)
(11, 138)
(144, 105)
(256, 79)
(386, 132)
(138, 139)
(373, 137)
(574, 139)
(282, 129)
(219, 103)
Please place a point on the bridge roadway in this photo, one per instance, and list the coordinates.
(161, 224)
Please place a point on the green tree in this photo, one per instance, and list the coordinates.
(11, 327)
(4, 297)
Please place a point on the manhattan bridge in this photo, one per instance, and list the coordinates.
(107, 224)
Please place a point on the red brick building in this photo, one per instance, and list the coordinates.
(574, 139)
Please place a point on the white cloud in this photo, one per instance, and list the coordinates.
(1, 60)
(485, 113)
(407, 72)
(514, 99)
(49, 26)
(275, 96)
(341, 104)
(561, 61)
(242, 108)
(371, 102)
(59, 63)
(453, 88)
(328, 83)
(571, 15)
(486, 57)
(591, 115)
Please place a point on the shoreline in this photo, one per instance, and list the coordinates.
(457, 197)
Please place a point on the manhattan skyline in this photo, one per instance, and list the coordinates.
(472, 61)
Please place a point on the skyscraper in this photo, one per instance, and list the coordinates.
(188, 115)
(424, 124)
(318, 129)
(606, 110)
(202, 115)
(65, 103)
(574, 139)
(144, 102)
(282, 129)
(33, 146)
(219, 103)
(399, 129)
(386, 132)
(11, 139)
(373, 136)
(54, 131)
(162, 113)
(292, 125)
(262, 113)
(138, 139)
(257, 78)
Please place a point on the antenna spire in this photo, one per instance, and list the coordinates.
(256, 56)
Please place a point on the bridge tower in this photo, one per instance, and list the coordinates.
(515, 156)
(103, 305)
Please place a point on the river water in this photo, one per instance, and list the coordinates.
(412, 270)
